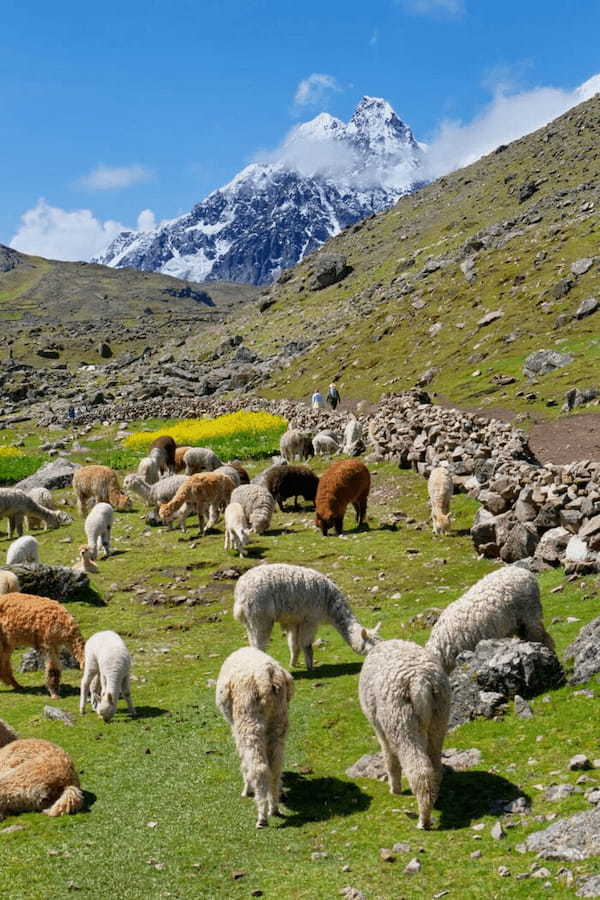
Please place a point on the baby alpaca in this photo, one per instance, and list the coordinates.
(258, 504)
(237, 528)
(30, 621)
(85, 562)
(207, 493)
(253, 693)
(9, 583)
(502, 604)
(300, 599)
(98, 526)
(440, 488)
(405, 694)
(24, 551)
(36, 776)
(106, 675)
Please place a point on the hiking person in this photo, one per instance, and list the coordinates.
(317, 400)
(333, 396)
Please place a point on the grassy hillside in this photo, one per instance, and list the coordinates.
(407, 306)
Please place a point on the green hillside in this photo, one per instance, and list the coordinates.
(407, 306)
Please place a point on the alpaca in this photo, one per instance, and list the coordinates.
(162, 451)
(237, 528)
(106, 675)
(9, 583)
(36, 776)
(253, 693)
(300, 599)
(179, 454)
(258, 505)
(155, 494)
(24, 551)
(295, 444)
(325, 445)
(85, 562)
(504, 603)
(405, 694)
(242, 472)
(98, 484)
(284, 482)
(30, 621)
(42, 497)
(345, 481)
(16, 504)
(201, 459)
(98, 525)
(207, 493)
(440, 488)
(148, 470)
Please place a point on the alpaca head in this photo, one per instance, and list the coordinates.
(107, 706)
(441, 523)
(87, 563)
(368, 638)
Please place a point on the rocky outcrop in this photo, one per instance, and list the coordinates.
(575, 838)
(52, 475)
(584, 653)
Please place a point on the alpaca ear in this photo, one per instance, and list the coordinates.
(110, 697)
(376, 629)
(364, 634)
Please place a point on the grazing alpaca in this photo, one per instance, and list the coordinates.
(237, 528)
(253, 693)
(346, 481)
(405, 694)
(162, 451)
(207, 493)
(106, 674)
(36, 776)
(440, 488)
(30, 621)
(98, 484)
(179, 461)
(9, 583)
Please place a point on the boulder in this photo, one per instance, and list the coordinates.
(574, 838)
(541, 362)
(576, 550)
(591, 527)
(34, 660)
(52, 475)
(589, 887)
(581, 266)
(587, 308)
(329, 269)
(520, 543)
(552, 545)
(584, 653)
(57, 582)
(526, 190)
(105, 350)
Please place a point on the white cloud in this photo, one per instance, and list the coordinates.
(313, 91)
(109, 178)
(146, 220)
(429, 7)
(63, 234)
(507, 117)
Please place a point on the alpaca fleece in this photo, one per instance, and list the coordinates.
(162, 449)
(325, 445)
(440, 488)
(201, 459)
(106, 675)
(346, 481)
(154, 494)
(405, 694)
(43, 497)
(30, 621)
(231, 472)
(300, 599)
(24, 551)
(9, 583)
(253, 693)
(179, 454)
(36, 776)
(284, 482)
(295, 444)
(502, 604)
(16, 504)
(207, 493)
(85, 562)
(98, 484)
(242, 472)
(98, 526)
(237, 528)
(258, 504)
(148, 470)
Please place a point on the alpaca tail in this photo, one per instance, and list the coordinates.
(69, 802)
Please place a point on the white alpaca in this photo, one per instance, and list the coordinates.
(300, 599)
(258, 505)
(237, 528)
(154, 494)
(502, 604)
(16, 504)
(440, 488)
(24, 551)
(405, 694)
(98, 525)
(200, 459)
(148, 470)
(106, 675)
(231, 473)
(9, 583)
(325, 445)
(42, 497)
(295, 444)
(253, 693)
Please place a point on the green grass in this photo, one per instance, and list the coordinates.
(175, 765)
(13, 469)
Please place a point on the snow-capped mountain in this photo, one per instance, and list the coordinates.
(326, 175)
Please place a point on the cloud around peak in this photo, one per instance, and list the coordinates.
(110, 178)
(315, 89)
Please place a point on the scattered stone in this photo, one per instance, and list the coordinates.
(412, 867)
(573, 838)
(559, 792)
(351, 893)
(490, 317)
(497, 832)
(581, 266)
(589, 887)
(329, 269)
(522, 708)
(544, 361)
(58, 715)
(503, 872)
(584, 652)
(386, 855)
(587, 308)
(579, 762)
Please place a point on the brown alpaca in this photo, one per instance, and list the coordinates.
(36, 776)
(98, 484)
(30, 621)
(164, 447)
(207, 493)
(346, 481)
(242, 472)
(179, 454)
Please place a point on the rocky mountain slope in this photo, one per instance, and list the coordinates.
(328, 175)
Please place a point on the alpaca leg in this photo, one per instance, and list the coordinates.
(535, 631)
(307, 636)
(422, 778)
(126, 691)
(293, 638)
(391, 762)
(52, 672)
(259, 636)
(435, 741)
(84, 691)
(275, 754)
(6, 673)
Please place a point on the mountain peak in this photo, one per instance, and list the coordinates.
(377, 129)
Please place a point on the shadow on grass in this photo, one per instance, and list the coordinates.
(65, 690)
(146, 712)
(88, 801)
(331, 670)
(319, 799)
(465, 796)
(88, 595)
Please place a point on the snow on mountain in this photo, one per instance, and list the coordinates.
(326, 175)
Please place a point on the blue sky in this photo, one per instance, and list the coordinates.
(120, 107)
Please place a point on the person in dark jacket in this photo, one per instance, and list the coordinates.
(333, 396)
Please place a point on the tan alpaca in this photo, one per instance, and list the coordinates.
(98, 484)
(30, 621)
(36, 776)
(440, 488)
(207, 493)
(85, 562)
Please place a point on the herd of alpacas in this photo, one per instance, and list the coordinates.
(404, 689)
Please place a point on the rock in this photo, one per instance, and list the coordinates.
(581, 266)
(34, 660)
(584, 652)
(541, 362)
(579, 762)
(520, 543)
(587, 308)
(561, 288)
(559, 792)
(57, 582)
(576, 550)
(511, 667)
(52, 475)
(412, 867)
(370, 765)
(58, 715)
(522, 708)
(497, 831)
(351, 893)
(575, 398)
(552, 545)
(329, 269)
(461, 760)
(589, 887)
(591, 527)
(573, 838)
(526, 190)
(490, 317)
(105, 350)
(386, 855)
